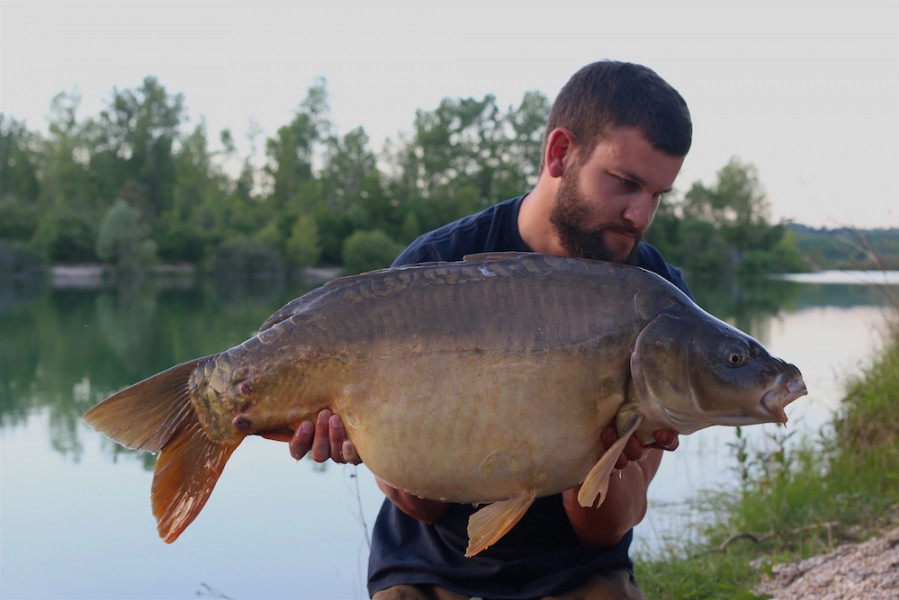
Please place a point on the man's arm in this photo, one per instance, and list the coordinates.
(417, 508)
(626, 499)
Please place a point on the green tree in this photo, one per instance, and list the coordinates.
(246, 258)
(291, 152)
(67, 181)
(19, 185)
(191, 223)
(465, 155)
(136, 135)
(18, 173)
(303, 248)
(737, 209)
(124, 240)
(521, 153)
(369, 250)
(65, 236)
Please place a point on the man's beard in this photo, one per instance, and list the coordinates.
(569, 211)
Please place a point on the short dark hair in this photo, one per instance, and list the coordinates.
(619, 94)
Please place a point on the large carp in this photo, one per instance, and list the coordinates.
(482, 381)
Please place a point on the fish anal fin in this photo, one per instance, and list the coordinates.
(186, 473)
(593, 490)
(489, 524)
(145, 415)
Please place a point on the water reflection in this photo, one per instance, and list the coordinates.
(64, 350)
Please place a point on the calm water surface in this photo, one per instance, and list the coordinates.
(75, 519)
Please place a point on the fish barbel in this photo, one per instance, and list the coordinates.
(483, 381)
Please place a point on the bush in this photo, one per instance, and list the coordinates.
(124, 239)
(17, 222)
(368, 250)
(246, 258)
(65, 237)
(19, 260)
(303, 248)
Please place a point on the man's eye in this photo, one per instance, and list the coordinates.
(627, 183)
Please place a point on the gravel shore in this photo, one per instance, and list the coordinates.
(866, 571)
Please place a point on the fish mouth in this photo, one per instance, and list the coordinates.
(782, 393)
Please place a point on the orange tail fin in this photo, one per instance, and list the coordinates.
(186, 472)
(156, 415)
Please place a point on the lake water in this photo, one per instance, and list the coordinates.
(75, 519)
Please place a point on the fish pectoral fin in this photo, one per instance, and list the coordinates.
(596, 484)
(488, 525)
(186, 473)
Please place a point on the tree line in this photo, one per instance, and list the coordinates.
(138, 183)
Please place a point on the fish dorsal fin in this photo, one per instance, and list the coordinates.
(596, 484)
(488, 525)
(186, 473)
(495, 256)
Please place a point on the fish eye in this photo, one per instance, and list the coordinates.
(735, 356)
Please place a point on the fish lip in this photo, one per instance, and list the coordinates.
(780, 394)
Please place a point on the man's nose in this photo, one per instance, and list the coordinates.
(640, 211)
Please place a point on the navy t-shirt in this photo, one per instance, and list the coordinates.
(541, 555)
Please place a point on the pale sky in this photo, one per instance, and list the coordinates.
(808, 92)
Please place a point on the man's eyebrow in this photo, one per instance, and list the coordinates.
(637, 179)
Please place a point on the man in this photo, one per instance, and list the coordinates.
(615, 141)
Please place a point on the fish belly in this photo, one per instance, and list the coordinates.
(477, 427)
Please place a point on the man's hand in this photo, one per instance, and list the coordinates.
(634, 451)
(417, 508)
(625, 503)
(325, 439)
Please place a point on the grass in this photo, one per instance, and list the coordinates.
(795, 503)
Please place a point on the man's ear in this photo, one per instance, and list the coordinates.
(560, 151)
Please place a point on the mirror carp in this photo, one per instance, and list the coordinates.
(483, 381)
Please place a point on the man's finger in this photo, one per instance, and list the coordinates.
(302, 440)
(336, 437)
(634, 450)
(349, 453)
(321, 445)
(666, 439)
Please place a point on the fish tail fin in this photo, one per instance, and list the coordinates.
(146, 415)
(186, 473)
(156, 415)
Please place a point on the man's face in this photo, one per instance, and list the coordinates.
(606, 201)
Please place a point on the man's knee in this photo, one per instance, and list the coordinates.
(613, 585)
(417, 592)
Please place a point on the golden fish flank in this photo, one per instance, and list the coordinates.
(484, 360)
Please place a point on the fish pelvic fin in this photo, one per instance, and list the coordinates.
(593, 490)
(186, 473)
(488, 525)
(145, 415)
